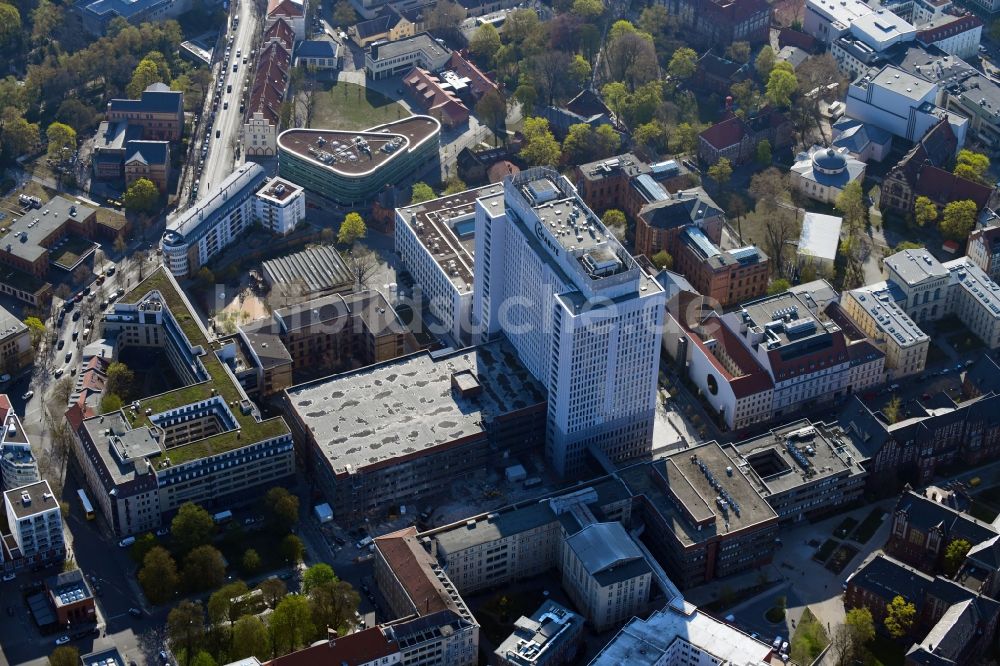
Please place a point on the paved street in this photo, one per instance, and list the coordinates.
(224, 134)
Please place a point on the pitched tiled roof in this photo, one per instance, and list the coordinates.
(944, 187)
(938, 146)
(157, 98)
(430, 94)
(720, 67)
(147, 152)
(362, 647)
(588, 103)
(924, 514)
(414, 569)
(789, 37)
(377, 26)
(754, 379)
(284, 8)
(724, 134)
(478, 81)
(270, 82)
(282, 32)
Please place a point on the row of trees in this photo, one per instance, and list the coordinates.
(232, 630)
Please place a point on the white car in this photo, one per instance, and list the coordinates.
(62, 640)
(58, 373)
(28, 395)
(9, 577)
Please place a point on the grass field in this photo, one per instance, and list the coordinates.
(841, 557)
(342, 105)
(844, 528)
(70, 252)
(808, 640)
(826, 550)
(866, 530)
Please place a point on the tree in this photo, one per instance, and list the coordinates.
(141, 196)
(344, 14)
(630, 57)
(892, 410)
(158, 575)
(204, 568)
(781, 226)
(205, 277)
(540, 147)
(651, 136)
(421, 192)
(351, 229)
(995, 30)
(119, 378)
(768, 188)
(684, 139)
(781, 84)
(683, 64)
(281, 509)
(492, 110)
(851, 203)
(362, 265)
(143, 544)
(64, 655)
(17, 134)
(578, 146)
(662, 260)
(579, 70)
(186, 628)
(958, 220)
(899, 616)
(848, 639)
(73, 112)
(251, 561)
(291, 624)
(274, 591)
(972, 166)
(606, 141)
(443, 19)
(589, 10)
(739, 52)
(721, 172)
(861, 624)
(222, 606)
(10, 23)
(191, 527)
(292, 548)
(654, 20)
(316, 575)
(764, 62)
(778, 286)
(614, 220)
(36, 330)
(203, 659)
(111, 402)
(146, 73)
(250, 638)
(764, 152)
(954, 555)
(61, 138)
(924, 211)
(454, 186)
(485, 43)
(907, 245)
(333, 603)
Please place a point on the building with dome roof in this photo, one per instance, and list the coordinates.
(822, 173)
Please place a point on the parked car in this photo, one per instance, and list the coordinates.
(58, 373)
(135, 612)
(28, 395)
(126, 542)
(62, 640)
(60, 345)
(9, 577)
(69, 354)
(163, 531)
(110, 271)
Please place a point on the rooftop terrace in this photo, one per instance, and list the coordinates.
(446, 228)
(221, 382)
(375, 414)
(354, 154)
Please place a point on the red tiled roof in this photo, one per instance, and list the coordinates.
(950, 29)
(270, 82)
(413, 568)
(359, 648)
(789, 37)
(479, 82)
(282, 32)
(754, 380)
(284, 8)
(943, 187)
(428, 91)
(500, 170)
(724, 134)
(4, 407)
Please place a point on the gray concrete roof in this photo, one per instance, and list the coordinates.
(915, 266)
(40, 498)
(407, 405)
(502, 524)
(23, 238)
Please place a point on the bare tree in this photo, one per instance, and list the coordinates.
(631, 58)
(362, 264)
(781, 227)
(550, 71)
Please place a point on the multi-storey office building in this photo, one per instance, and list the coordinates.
(446, 416)
(581, 313)
(802, 469)
(18, 466)
(35, 522)
(550, 637)
(875, 309)
(16, 351)
(350, 168)
(436, 241)
(206, 228)
(704, 518)
(385, 60)
(203, 442)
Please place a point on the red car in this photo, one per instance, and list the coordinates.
(78, 297)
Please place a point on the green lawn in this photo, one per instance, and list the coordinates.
(841, 557)
(885, 652)
(349, 106)
(844, 527)
(866, 530)
(808, 640)
(70, 252)
(236, 541)
(824, 551)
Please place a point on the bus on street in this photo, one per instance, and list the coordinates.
(88, 508)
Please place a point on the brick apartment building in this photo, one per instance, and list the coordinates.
(159, 111)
